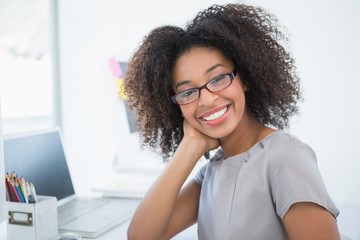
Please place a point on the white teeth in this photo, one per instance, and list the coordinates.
(216, 115)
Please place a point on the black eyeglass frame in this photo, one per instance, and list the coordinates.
(232, 76)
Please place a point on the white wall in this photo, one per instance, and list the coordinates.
(2, 173)
(324, 36)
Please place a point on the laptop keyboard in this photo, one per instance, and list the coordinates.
(78, 207)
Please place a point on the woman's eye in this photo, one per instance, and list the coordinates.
(218, 79)
(188, 93)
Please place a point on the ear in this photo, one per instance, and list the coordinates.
(245, 87)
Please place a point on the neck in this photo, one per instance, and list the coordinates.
(247, 134)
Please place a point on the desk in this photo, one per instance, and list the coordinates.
(119, 232)
(348, 222)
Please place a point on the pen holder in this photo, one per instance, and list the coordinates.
(32, 221)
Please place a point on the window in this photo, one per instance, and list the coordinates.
(27, 37)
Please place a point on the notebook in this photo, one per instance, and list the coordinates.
(40, 158)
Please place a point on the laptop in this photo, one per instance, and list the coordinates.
(40, 158)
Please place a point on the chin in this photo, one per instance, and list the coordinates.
(217, 134)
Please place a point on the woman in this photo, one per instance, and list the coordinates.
(225, 83)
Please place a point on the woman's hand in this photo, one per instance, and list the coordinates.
(192, 133)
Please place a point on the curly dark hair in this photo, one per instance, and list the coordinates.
(247, 35)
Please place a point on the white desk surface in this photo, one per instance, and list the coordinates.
(119, 232)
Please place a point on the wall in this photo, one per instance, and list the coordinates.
(324, 36)
(2, 173)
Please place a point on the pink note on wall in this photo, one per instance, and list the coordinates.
(115, 68)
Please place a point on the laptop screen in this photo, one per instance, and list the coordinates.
(39, 158)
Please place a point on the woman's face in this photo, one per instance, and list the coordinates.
(216, 114)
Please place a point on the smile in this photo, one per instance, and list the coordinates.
(216, 115)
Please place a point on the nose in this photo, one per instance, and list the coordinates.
(206, 97)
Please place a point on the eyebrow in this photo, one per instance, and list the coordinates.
(206, 71)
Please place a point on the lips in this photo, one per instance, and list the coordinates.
(215, 115)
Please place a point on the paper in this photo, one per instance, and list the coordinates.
(115, 68)
(126, 185)
(120, 88)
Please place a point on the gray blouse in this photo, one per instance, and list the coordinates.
(247, 196)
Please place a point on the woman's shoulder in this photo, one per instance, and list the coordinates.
(284, 148)
(284, 140)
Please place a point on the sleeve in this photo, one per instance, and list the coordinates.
(199, 177)
(296, 178)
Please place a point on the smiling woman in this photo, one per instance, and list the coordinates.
(189, 100)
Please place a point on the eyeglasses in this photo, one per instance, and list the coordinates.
(214, 85)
